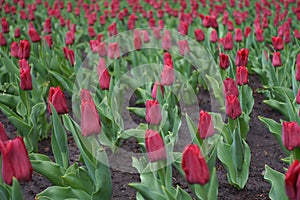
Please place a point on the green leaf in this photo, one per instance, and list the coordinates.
(16, 191)
(146, 193)
(279, 106)
(9, 100)
(9, 65)
(141, 112)
(193, 129)
(3, 193)
(182, 194)
(58, 192)
(276, 179)
(213, 185)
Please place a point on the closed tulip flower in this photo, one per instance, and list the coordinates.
(199, 35)
(137, 40)
(290, 135)
(277, 43)
(224, 61)
(3, 135)
(14, 49)
(58, 100)
(242, 57)
(5, 26)
(291, 181)
(25, 76)
(213, 36)
(228, 42)
(183, 46)
(230, 87)
(259, 35)
(103, 74)
(15, 161)
(153, 112)
(34, 35)
(155, 146)
(205, 125)
(102, 49)
(166, 41)
(276, 59)
(233, 106)
(238, 35)
(154, 90)
(90, 120)
(247, 31)
(168, 74)
(241, 75)
(17, 33)
(24, 49)
(194, 165)
(48, 39)
(47, 26)
(3, 41)
(113, 50)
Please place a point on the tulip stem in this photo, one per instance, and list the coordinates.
(296, 154)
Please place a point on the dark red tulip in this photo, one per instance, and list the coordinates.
(91, 32)
(242, 57)
(130, 24)
(183, 46)
(25, 76)
(277, 43)
(230, 25)
(154, 90)
(291, 181)
(224, 60)
(94, 46)
(102, 49)
(15, 161)
(48, 39)
(241, 75)
(259, 35)
(47, 26)
(228, 42)
(112, 29)
(3, 41)
(214, 36)
(58, 100)
(297, 34)
(155, 146)
(14, 49)
(156, 33)
(276, 59)
(113, 50)
(205, 125)
(152, 23)
(206, 21)
(137, 40)
(238, 35)
(183, 28)
(103, 74)
(17, 33)
(291, 135)
(230, 87)
(5, 26)
(3, 135)
(62, 21)
(166, 41)
(153, 112)
(24, 49)
(199, 35)
(233, 106)
(71, 56)
(70, 38)
(168, 73)
(90, 120)
(146, 37)
(287, 37)
(247, 31)
(298, 97)
(102, 20)
(194, 165)
(34, 35)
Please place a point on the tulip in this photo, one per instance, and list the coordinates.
(15, 161)
(47, 26)
(5, 26)
(194, 165)
(3, 41)
(48, 39)
(183, 47)
(154, 90)
(102, 49)
(24, 49)
(155, 146)
(91, 32)
(298, 97)
(152, 22)
(228, 42)
(247, 31)
(14, 49)
(156, 33)
(70, 38)
(3, 135)
(213, 36)
(58, 100)
(146, 37)
(290, 135)
(206, 21)
(166, 41)
(90, 120)
(291, 181)
(233, 107)
(103, 74)
(113, 50)
(238, 35)
(168, 73)
(17, 33)
(224, 61)
(276, 60)
(259, 35)
(199, 35)
(25, 76)
(94, 46)
(277, 43)
(242, 57)
(205, 125)
(230, 25)
(183, 28)
(230, 88)
(34, 35)
(297, 34)
(241, 75)
(137, 40)
(153, 112)
(71, 56)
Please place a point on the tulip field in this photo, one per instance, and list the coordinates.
(150, 99)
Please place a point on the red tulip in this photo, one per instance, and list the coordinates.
(113, 50)
(34, 35)
(276, 60)
(3, 41)
(15, 161)
(287, 37)
(230, 25)
(47, 26)
(156, 33)
(199, 35)
(5, 26)
(24, 49)
(228, 42)
(291, 182)
(102, 49)
(233, 106)
(183, 46)
(230, 88)
(155, 146)
(152, 22)
(137, 40)
(103, 74)
(102, 20)
(91, 32)
(277, 43)
(296, 34)
(3, 135)
(168, 73)
(154, 90)
(183, 28)
(48, 39)
(213, 36)
(94, 46)
(58, 100)
(291, 135)
(17, 33)
(238, 35)
(242, 57)
(241, 75)
(70, 38)
(90, 120)
(146, 37)
(166, 41)
(247, 31)
(259, 35)
(25, 76)
(14, 49)
(205, 125)
(206, 21)
(194, 165)
(112, 29)
(298, 97)
(224, 61)
(153, 112)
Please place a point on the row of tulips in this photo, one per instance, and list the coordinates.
(50, 66)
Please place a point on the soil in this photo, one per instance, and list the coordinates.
(264, 151)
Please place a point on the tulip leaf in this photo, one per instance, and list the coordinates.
(16, 191)
(58, 192)
(193, 131)
(141, 112)
(182, 194)
(279, 106)
(213, 185)
(146, 192)
(216, 89)
(65, 81)
(8, 63)
(246, 99)
(4, 193)
(169, 194)
(276, 179)
(9, 100)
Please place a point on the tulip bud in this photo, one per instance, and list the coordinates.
(168, 73)
(241, 75)
(14, 49)
(277, 43)
(199, 35)
(166, 41)
(34, 35)
(242, 57)
(24, 49)
(233, 107)
(137, 40)
(194, 165)
(58, 100)
(247, 31)
(183, 28)
(15, 161)
(276, 60)
(47, 26)
(259, 35)
(205, 125)
(153, 112)
(25, 76)
(154, 90)
(228, 42)
(3, 135)
(3, 41)
(155, 146)
(90, 120)
(103, 74)
(48, 39)
(91, 32)
(224, 61)
(297, 34)
(183, 46)
(145, 36)
(291, 181)
(113, 50)
(290, 135)
(238, 35)
(230, 88)
(213, 36)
